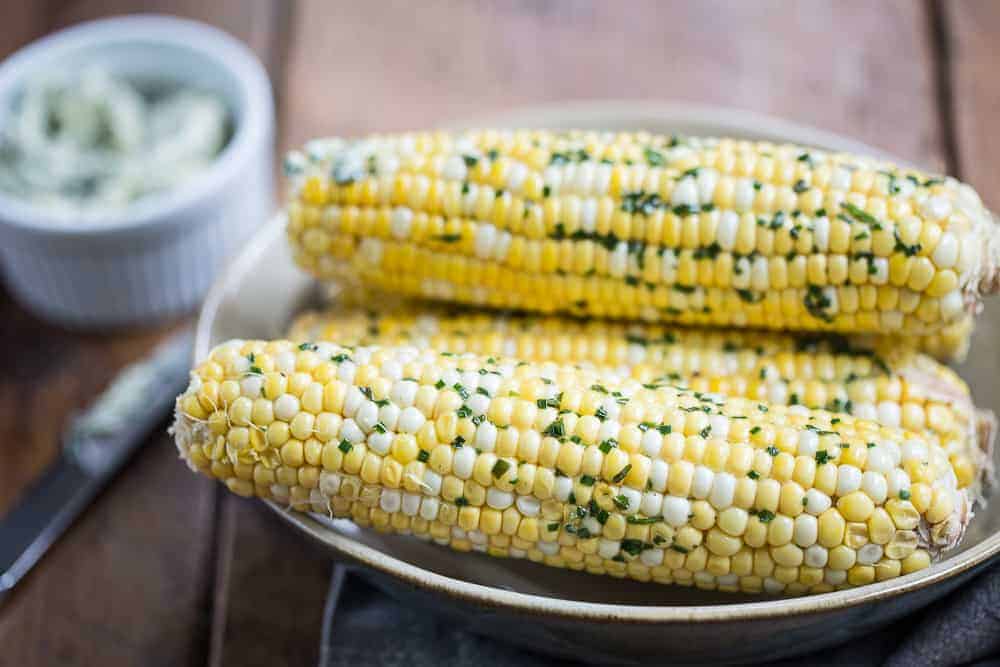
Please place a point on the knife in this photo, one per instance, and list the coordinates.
(96, 443)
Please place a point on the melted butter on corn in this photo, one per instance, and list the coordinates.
(641, 226)
(573, 467)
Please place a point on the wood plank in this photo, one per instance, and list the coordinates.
(272, 584)
(22, 22)
(855, 67)
(969, 32)
(259, 23)
(129, 584)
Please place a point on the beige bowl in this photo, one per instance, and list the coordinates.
(598, 619)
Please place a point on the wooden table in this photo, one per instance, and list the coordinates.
(166, 569)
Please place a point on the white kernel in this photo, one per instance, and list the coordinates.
(652, 502)
(743, 195)
(875, 486)
(946, 251)
(367, 416)
(865, 411)
(411, 504)
(835, 577)
(870, 554)
(562, 488)
(773, 586)
(676, 510)
(390, 501)
(515, 177)
(463, 462)
(632, 500)
(821, 233)
(896, 480)
(808, 443)
(608, 549)
(410, 420)
(651, 443)
(889, 413)
(659, 471)
(725, 232)
(588, 215)
(251, 386)
(389, 416)
(805, 530)
(350, 431)
(479, 404)
(429, 508)
(879, 460)
(815, 556)
(499, 500)
(404, 392)
(651, 557)
(952, 305)
(723, 489)
(685, 193)
(548, 548)
(936, 207)
(380, 442)
(286, 407)
(431, 482)
(592, 525)
(402, 221)
(284, 362)
(840, 179)
(329, 483)
(352, 401)
(817, 502)
(914, 449)
(391, 369)
(719, 425)
(701, 482)
(878, 271)
(848, 479)
(707, 181)
(528, 506)
(609, 430)
(454, 168)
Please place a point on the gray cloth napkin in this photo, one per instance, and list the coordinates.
(363, 626)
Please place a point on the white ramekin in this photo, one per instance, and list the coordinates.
(157, 257)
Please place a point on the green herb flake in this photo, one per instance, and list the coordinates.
(621, 474)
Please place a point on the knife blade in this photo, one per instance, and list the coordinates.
(96, 443)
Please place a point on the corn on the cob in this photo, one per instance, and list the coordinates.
(640, 226)
(951, 344)
(571, 467)
(894, 386)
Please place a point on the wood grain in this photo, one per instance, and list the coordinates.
(272, 585)
(259, 23)
(856, 67)
(129, 584)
